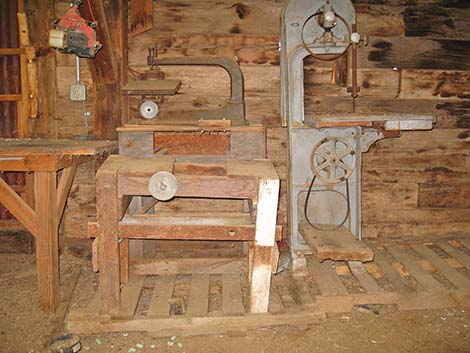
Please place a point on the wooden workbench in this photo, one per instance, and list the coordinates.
(40, 212)
(122, 177)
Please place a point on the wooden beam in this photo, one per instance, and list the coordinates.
(141, 17)
(18, 207)
(109, 67)
(266, 215)
(41, 14)
(196, 326)
(10, 97)
(47, 240)
(65, 183)
(145, 230)
(108, 207)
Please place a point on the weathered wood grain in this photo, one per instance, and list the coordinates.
(437, 21)
(456, 195)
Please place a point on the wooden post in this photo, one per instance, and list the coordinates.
(40, 17)
(109, 67)
(47, 241)
(108, 242)
(266, 214)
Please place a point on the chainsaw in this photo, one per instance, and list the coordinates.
(72, 34)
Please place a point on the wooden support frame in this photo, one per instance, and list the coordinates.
(122, 177)
(41, 210)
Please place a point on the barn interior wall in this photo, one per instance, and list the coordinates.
(417, 61)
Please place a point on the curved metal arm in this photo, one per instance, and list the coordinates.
(234, 109)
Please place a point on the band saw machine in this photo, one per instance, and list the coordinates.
(324, 168)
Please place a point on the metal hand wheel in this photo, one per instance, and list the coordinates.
(333, 160)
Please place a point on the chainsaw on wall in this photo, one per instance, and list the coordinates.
(72, 34)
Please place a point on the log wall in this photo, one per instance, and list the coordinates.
(417, 61)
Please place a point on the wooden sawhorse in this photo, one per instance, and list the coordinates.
(121, 177)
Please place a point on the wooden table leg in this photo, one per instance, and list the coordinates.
(266, 214)
(47, 241)
(110, 209)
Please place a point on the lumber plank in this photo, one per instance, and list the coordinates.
(162, 293)
(130, 295)
(460, 256)
(326, 277)
(453, 195)
(284, 285)
(433, 299)
(367, 282)
(391, 273)
(337, 245)
(466, 242)
(232, 301)
(141, 16)
(198, 302)
(108, 213)
(266, 215)
(345, 303)
(47, 240)
(187, 266)
(422, 276)
(436, 21)
(455, 277)
(197, 325)
(18, 207)
(63, 189)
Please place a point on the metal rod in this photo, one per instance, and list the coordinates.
(85, 111)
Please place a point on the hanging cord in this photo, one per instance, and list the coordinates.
(307, 199)
(91, 11)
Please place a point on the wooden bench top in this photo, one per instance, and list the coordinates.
(125, 165)
(48, 155)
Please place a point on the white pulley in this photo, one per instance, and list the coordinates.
(163, 186)
(148, 109)
(333, 160)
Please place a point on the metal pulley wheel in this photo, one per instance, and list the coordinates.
(163, 186)
(333, 160)
(148, 109)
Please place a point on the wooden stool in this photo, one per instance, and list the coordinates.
(122, 177)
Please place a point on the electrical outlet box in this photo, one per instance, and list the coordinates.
(78, 92)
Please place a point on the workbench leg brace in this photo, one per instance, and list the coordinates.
(113, 251)
(43, 223)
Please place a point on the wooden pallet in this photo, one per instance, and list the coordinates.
(411, 276)
(191, 305)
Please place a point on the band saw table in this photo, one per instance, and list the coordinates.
(41, 215)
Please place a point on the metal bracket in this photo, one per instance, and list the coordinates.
(369, 137)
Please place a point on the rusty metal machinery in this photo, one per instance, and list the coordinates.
(233, 109)
(324, 172)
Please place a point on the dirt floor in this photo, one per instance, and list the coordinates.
(23, 328)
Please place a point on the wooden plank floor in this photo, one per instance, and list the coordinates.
(411, 276)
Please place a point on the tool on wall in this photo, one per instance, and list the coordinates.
(72, 34)
(325, 150)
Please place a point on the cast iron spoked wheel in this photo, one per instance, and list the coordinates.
(322, 57)
(333, 160)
